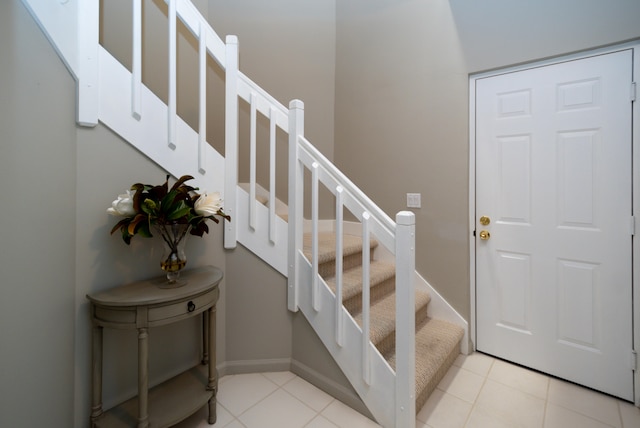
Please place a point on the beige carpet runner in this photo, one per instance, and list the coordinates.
(437, 341)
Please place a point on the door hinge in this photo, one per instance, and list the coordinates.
(632, 225)
(634, 360)
(633, 91)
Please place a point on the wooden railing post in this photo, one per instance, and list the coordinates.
(296, 193)
(405, 321)
(231, 141)
(88, 22)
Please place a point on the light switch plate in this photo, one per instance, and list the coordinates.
(413, 200)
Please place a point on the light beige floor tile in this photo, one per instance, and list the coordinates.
(520, 378)
(481, 418)
(476, 362)
(345, 417)
(462, 383)
(199, 419)
(234, 424)
(559, 417)
(280, 378)
(240, 392)
(321, 422)
(630, 415)
(278, 410)
(444, 410)
(585, 401)
(511, 405)
(308, 394)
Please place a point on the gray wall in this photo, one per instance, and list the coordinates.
(405, 65)
(401, 125)
(38, 173)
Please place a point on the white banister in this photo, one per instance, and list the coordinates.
(136, 61)
(296, 193)
(252, 159)
(202, 98)
(231, 140)
(373, 378)
(315, 277)
(366, 300)
(173, 58)
(339, 263)
(88, 26)
(272, 174)
(405, 320)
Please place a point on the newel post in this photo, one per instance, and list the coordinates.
(405, 321)
(231, 141)
(296, 195)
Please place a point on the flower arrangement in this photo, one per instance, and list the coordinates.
(171, 213)
(146, 205)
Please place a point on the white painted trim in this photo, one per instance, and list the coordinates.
(635, 45)
(636, 213)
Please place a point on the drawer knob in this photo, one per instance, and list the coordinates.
(191, 306)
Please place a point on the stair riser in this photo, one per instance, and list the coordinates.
(387, 345)
(328, 269)
(376, 292)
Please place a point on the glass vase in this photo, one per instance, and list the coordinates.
(174, 259)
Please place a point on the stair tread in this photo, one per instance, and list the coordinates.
(351, 244)
(382, 321)
(352, 278)
(437, 346)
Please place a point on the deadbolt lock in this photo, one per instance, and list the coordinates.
(484, 235)
(484, 220)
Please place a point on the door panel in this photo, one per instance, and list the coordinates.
(553, 165)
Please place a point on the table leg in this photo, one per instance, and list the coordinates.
(96, 373)
(143, 380)
(213, 374)
(205, 337)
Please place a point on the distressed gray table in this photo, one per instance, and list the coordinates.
(143, 305)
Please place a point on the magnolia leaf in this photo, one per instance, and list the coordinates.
(144, 231)
(131, 229)
(200, 229)
(181, 212)
(137, 197)
(181, 181)
(126, 237)
(121, 224)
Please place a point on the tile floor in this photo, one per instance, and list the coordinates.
(479, 391)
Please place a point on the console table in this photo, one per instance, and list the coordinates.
(142, 305)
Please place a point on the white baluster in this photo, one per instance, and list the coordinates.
(366, 255)
(231, 140)
(272, 175)
(136, 62)
(202, 111)
(315, 299)
(339, 264)
(171, 110)
(296, 194)
(253, 100)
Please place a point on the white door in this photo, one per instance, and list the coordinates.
(553, 274)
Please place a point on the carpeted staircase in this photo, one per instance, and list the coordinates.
(437, 341)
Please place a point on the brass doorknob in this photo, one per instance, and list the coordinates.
(484, 220)
(484, 235)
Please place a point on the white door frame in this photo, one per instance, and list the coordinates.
(636, 187)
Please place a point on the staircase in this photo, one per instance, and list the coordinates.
(354, 281)
(437, 342)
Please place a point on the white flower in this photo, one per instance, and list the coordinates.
(208, 204)
(123, 206)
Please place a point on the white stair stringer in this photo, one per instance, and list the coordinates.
(379, 397)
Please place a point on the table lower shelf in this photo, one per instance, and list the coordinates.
(169, 403)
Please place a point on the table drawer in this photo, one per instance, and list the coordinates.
(182, 309)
